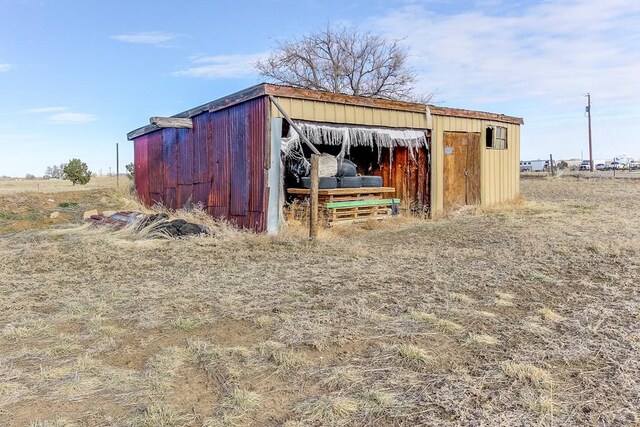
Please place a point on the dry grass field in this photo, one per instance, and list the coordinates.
(523, 315)
(13, 186)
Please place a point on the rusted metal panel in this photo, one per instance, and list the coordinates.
(257, 152)
(155, 162)
(256, 221)
(221, 163)
(219, 160)
(185, 156)
(170, 197)
(184, 193)
(170, 158)
(201, 157)
(141, 165)
(157, 199)
(239, 197)
(201, 192)
(219, 212)
(238, 221)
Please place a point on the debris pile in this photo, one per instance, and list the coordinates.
(159, 224)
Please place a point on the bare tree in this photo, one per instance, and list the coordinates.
(343, 60)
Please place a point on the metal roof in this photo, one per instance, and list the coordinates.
(264, 89)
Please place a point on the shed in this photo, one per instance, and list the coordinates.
(231, 154)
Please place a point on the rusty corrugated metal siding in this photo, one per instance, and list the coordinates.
(154, 157)
(239, 203)
(186, 163)
(220, 163)
(140, 158)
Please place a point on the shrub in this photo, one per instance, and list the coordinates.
(77, 172)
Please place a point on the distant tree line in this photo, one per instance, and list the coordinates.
(55, 171)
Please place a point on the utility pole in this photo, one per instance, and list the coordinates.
(117, 166)
(588, 95)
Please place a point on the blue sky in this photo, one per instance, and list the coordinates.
(76, 76)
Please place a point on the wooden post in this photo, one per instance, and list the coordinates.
(313, 198)
(551, 165)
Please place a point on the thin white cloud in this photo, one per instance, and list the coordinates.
(5, 67)
(61, 115)
(44, 110)
(554, 50)
(151, 37)
(12, 137)
(70, 117)
(222, 66)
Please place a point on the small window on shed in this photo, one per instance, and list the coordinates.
(496, 137)
(489, 137)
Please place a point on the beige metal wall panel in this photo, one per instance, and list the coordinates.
(327, 112)
(499, 169)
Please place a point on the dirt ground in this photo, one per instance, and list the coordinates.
(527, 314)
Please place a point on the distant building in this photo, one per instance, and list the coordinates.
(533, 165)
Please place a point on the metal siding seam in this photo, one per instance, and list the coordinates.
(142, 168)
(200, 148)
(170, 157)
(219, 194)
(256, 141)
(154, 160)
(185, 156)
(239, 205)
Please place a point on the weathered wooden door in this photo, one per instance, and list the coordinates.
(461, 169)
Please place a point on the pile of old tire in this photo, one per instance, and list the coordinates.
(371, 181)
(350, 182)
(162, 227)
(346, 168)
(324, 182)
(180, 227)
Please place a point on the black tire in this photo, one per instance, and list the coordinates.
(324, 183)
(350, 182)
(372, 181)
(346, 168)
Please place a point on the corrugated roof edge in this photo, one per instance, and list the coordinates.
(471, 114)
(264, 89)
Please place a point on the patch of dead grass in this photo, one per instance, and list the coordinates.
(550, 315)
(327, 410)
(527, 373)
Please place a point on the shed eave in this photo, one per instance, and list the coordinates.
(340, 98)
(471, 114)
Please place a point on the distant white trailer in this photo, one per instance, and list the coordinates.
(533, 165)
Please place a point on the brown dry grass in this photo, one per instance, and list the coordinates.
(522, 315)
(18, 185)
